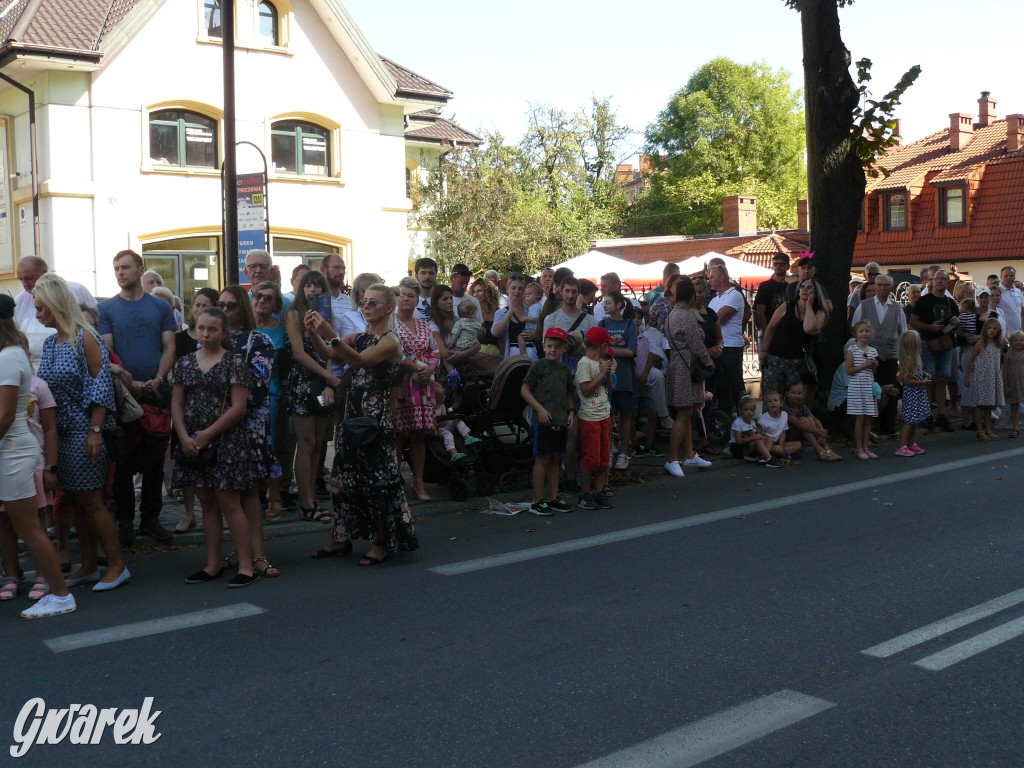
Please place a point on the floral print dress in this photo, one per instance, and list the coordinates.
(207, 396)
(366, 483)
(258, 351)
(303, 385)
(417, 411)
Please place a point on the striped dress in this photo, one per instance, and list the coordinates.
(860, 399)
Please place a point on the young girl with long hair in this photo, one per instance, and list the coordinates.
(861, 361)
(983, 372)
(1013, 379)
(916, 408)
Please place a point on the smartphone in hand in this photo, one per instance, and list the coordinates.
(323, 305)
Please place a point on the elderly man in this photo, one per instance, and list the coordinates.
(871, 271)
(258, 268)
(730, 305)
(546, 279)
(609, 282)
(656, 293)
(30, 269)
(492, 276)
(936, 318)
(1013, 300)
(771, 294)
(887, 323)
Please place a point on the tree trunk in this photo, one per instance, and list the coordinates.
(835, 176)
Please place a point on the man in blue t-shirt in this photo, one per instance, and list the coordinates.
(140, 328)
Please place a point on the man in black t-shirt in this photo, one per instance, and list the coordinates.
(936, 317)
(771, 294)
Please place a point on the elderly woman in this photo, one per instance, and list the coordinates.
(366, 483)
(913, 294)
(416, 415)
(785, 349)
(76, 366)
(686, 344)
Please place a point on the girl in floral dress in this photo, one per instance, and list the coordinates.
(416, 415)
(1013, 378)
(208, 405)
(369, 502)
(983, 371)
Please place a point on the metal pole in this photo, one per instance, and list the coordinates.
(33, 172)
(229, 175)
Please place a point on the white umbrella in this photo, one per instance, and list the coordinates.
(738, 268)
(593, 264)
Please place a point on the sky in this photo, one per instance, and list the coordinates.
(500, 58)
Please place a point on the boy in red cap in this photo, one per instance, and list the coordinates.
(593, 380)
(548, 390)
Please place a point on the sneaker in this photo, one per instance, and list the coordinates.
(666, 422)
(587, 502)
(51, 605)
(540, 507)
(674, 468)
(560, 505)
(602, 501)
(697, 461)
(651, 450)
(637, 451)
(916, 448)
(155, 529)
(126, 532)
(754, 459)
(943, 423)
(622, 462)
(773, 463)
(904, 450)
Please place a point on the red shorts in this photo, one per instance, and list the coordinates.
(596, 444)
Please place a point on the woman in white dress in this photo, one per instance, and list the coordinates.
(19, 455)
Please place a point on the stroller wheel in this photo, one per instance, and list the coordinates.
(509, 481)
(484, 484)
(458, 489)
(718, 424)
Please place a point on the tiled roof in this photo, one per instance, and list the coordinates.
(62, 25)
(429, 126)
(994, 228)
(757, 249)
(416, 86)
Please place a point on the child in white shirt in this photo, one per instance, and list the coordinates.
(747, 439)
(775, 423)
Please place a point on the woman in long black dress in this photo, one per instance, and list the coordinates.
(366, 484)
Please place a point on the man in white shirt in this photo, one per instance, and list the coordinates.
(887, 321)
(297, 275)
(425, 272)
(1012, 308)
(30, 269)
(609, 282)
(459, 282)
(729, 304)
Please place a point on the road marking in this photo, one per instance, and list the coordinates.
(715, 735)
(945, 626)
(972, 646)
(152, 627)
(522, 555)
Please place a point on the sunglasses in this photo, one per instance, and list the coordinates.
(229, 306)
(371, 303)
(806, 287)
(262, 297)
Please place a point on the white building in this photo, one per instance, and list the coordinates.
(129, 125)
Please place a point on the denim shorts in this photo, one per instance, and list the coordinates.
(940, 365)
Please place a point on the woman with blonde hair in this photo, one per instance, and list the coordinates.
(76, 366)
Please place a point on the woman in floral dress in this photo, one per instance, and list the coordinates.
(416, 415)
(257, 349)
(369, 502)
(208, 405)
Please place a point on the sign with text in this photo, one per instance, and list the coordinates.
(252, 217)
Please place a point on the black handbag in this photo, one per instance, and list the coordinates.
(806, 367)
(700, 372)
(360, 431)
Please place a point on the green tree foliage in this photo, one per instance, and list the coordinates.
(733, 129)
(524, 206)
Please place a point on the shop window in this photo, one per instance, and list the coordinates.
(181, 138)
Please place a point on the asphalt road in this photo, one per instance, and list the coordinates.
(717, 620)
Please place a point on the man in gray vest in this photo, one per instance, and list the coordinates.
(887, 323)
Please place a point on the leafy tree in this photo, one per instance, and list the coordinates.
(847, 133)
(732, 129)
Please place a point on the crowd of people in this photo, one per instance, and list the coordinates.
(101, 402)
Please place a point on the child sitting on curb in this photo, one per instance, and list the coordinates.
(747, 439)
(804, 425)
(775, 423)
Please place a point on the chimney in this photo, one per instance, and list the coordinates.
(803, 216)
(1014, 132)
(739, 215)
(986, 110)
(961, 129)
(897, 132)
(623, 172)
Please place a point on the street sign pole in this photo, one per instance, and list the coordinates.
(229, 184)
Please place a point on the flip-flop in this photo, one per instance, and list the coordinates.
(608, 491)
(40, 589)
(321, 554)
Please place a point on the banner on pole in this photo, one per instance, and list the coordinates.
(252, 218)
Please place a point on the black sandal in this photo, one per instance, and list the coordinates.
(315, 515)
(368, 560)
(320, 554)
(268, 571)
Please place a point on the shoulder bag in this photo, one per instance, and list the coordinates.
(698, 371)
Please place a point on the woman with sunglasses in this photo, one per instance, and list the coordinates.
(788, 338)
(257, 351)
(267, 302)
(310, 387)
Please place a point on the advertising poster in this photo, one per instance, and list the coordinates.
(252, 217)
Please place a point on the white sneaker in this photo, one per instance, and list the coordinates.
(667, 422)
(673, 468)
(50, 605)
(622, 462)
(697, 461)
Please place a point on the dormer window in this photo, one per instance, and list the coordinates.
(895, 211)
(951, 206)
